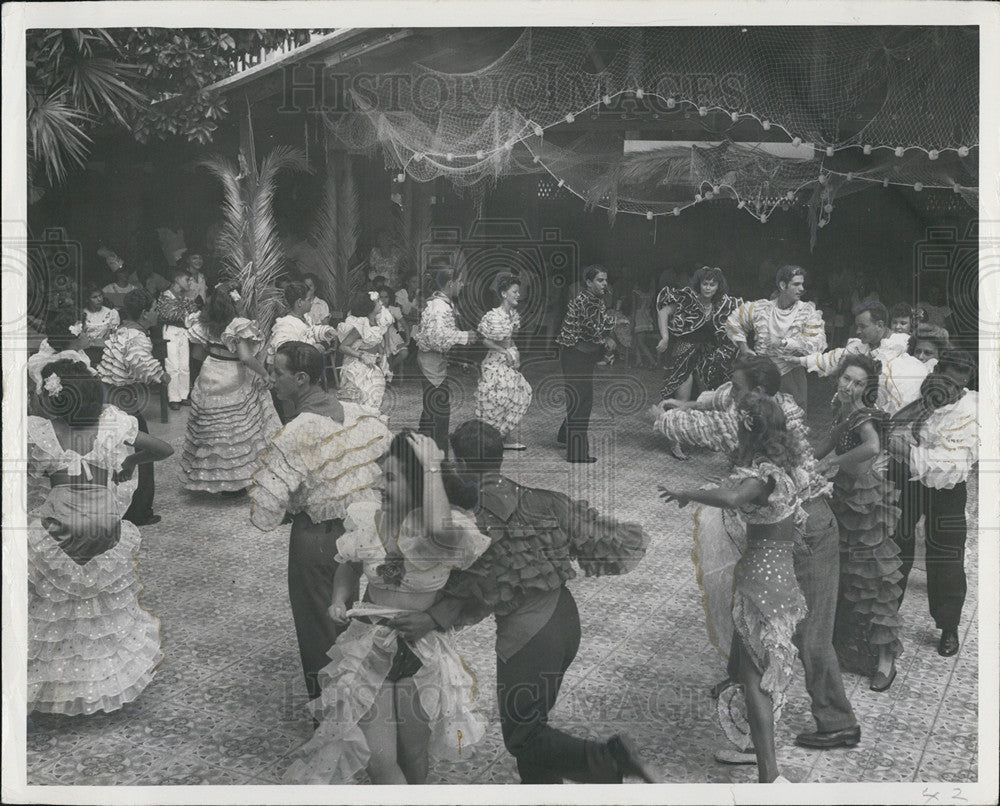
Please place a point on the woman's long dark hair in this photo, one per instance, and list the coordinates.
(710, 273)
(81, 399)
(219, 311)
(460, 492)
(763, 434)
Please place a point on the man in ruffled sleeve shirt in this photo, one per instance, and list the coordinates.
(901, 373)
(536, 535)
(322, 460)
(934, 444)
(584, 337)
(435, 336)
(781, 328)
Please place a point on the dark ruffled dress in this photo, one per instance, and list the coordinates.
(864, 505)
(699, 344)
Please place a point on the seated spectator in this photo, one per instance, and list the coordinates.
(114, 292)
(99, 322)
(901, 318)
(319, 313)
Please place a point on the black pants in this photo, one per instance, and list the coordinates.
(132, 400)
(436, 413)
(945, 533)
(311, 568)
(527, 686)
(578, 371)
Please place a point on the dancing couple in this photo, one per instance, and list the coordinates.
(442, 546)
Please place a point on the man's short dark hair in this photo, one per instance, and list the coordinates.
(478, 444)
(136, 302)
(761, 372)
(295, 291)
(302, 357)
(591, 272)
(876, 310)
(787, 272)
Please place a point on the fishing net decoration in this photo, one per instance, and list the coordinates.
(915, 89)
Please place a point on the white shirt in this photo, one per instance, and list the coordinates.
(949, 445)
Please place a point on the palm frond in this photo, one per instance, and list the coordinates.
(99, 83)
(348, 230)
(336, 230)
(55, 134)
(253, 256)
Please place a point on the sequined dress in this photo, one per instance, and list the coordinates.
(864, 503)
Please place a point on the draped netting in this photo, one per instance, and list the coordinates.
(853, 106)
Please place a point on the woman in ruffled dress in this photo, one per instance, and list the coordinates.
(99, 322)
(692, 323)
(503, 394)
(91, 645)
(767, 603)
(868, 626)
(388, 704)
(362, 335)
(232, 416)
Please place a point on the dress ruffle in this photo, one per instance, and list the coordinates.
(503, 395)
(231, 419)
(767, 607)
(867, 613)
(91, 645)
(360, 662)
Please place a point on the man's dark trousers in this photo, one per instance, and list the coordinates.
(527, 686)
(578, 371)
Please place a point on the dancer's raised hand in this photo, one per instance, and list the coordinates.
(673, 496)
(426, 450)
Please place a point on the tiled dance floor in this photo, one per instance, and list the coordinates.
(227, 704)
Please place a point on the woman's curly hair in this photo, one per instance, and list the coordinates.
(872, 370)
(763, 434)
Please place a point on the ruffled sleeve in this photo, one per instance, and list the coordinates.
(600, 544)
(278, 478)
(467, 543)
(808, 335)
(784, 500)
(667, 296)
(241, 329)
(360, 542)
(495, 325)
(949, 446)
(117, 432)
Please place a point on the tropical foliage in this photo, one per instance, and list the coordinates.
(335, 233)
(251, 252)
(146, 80)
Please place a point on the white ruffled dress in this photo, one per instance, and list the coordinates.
(361, 382)
(363, 655)
(91, 645)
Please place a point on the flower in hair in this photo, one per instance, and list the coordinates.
(53, 385)
(746, 420)
(76, 329)
(234, 295)
(373, 296)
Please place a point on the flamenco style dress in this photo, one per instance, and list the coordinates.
(699, 343)
(360, 381)
(368, 654)
(864, 503)
(767, 603)
(232, 416)
(503, 394)
(91, 645)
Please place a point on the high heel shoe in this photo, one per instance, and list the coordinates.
(881, 681)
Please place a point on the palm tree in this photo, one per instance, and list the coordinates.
(335, 234)
(252, 254)
(76, 78)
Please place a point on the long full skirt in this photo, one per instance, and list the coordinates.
(360, 663)
(711, 365)
(232, 418)
(502, 396)
(91, 644)
(867, 607)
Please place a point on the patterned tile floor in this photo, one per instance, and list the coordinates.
(228, 703)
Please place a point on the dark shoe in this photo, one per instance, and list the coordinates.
(719, 687)
(948, 645)
(881, 682)
(149, 521)
(583, 460)
(627, 755)
(186, 401)
(845, 737)
(174, 406)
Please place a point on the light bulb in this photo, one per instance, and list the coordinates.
(899, 151)
(796, 141)
(933, 154)
(561, 183)
(677, 211)
(479, 155)
(822, 179)
(829, 151)
(828, 208)
(963, 151)
(703, 110)
(766, 125)
(606, 100)
(671, 103)
(763, 218)
(918, 186)
(735, 116)
(790, 195)
(741, 205)
(867, 148)
(885, 182)
(450, 157)
(570, 118)
(715, 188)
(639, 93)
(535, 159)
(649, 215)
(698, 197)
(538, 131)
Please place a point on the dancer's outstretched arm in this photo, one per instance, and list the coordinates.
(722, 497)
(345, 583)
